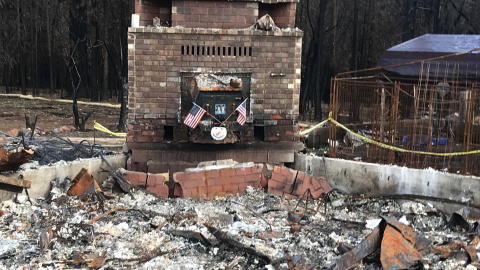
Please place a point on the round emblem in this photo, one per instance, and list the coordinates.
(218, 133)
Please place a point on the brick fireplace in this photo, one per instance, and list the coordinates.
(181, 44)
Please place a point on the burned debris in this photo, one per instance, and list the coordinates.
(45, 150)
(253, 229)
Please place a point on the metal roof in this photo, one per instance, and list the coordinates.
(435, 45)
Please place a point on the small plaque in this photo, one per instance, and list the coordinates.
(220, 109)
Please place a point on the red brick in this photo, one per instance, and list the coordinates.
(258, 168)
(300, 187)
(186, 192)
(242, 171)
(201, 190)
(274, 191)
(230, 188)
(300, 176)
(223, 181)
(278, 177)
(213, 173)
(289, 196)
(254, 184)
(214, 189)
(177, 190)
(317, 193)
(210, 182)
(315, 183)
(196, 176)
(179, 177)
(227, 172)
(275, 184)
(277, 169)
(242, 186)
(161, 191)
(222, 194)
(252, 177)
(292, 174)
(189, 184)
(285, 171)
(323, 182)
(238, 179)
(132, 177)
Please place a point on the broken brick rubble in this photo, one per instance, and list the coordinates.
(154, 183)
(289, 182)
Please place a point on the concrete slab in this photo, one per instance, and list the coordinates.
(356, 177)
(42, 176)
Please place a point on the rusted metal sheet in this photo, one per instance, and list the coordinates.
(10, 161)
(83, 183)
(472, 248)
(396, 251)
(13, 184)
(419, 242)
(446, 251)
(369, 245)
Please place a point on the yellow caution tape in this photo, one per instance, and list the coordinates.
(97, 126)
(386, 146)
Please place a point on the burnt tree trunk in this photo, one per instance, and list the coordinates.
(319, 84)
(409, 20)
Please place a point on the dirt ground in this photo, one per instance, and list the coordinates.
(54, 118)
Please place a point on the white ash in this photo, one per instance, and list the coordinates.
(141, 229)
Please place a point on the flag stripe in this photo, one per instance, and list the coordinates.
(194, 116)
(242, 113)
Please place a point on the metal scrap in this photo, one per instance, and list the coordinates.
(83, 183)
(369, 245)
(396, 251)
(11, 161)
(13, 184)
(418, 241)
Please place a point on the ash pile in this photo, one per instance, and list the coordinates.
(256, 230)
(44, 151)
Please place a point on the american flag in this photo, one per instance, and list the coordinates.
(242, 113)
(194, 116)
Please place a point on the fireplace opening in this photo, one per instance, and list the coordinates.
(168, 133)
(259, 133)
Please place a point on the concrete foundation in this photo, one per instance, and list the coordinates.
(355, 177)
(42, 176)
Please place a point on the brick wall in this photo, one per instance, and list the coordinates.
(282, 14)
(229, 177)
(205, 183)
(149, 9)
(214, 14)
(153, 183)
(156, 63)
